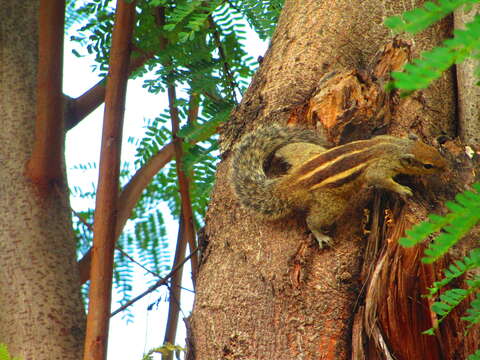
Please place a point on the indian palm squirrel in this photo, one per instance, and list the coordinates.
(321, 181)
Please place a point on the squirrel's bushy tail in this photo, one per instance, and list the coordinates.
(254, 189)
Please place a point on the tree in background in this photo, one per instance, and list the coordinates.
(42, 315)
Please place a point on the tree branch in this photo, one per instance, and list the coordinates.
(44, 167)
(129, 197)
(467, 78)
(107, 196)
(230, 80)
(124, 253)
(79, 108)
(152, 288)
(186, 231)
(132, 192)
(183, 182)
(175, 290)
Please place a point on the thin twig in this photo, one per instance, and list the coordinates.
(152, 288)
(79, 108)
(123, 252)
(226, 68)
(82, 220)
(104, 234)
(129, 197)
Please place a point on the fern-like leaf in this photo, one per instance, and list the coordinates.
(473, 312)
(202, 132)
(261, 15)
(431, 65)
(448, 301)
(4, 354)
(475, 356)
(457, 269)
(463, 216)
(419, 19)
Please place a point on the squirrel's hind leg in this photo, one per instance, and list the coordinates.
(323, 214)
(322, 239)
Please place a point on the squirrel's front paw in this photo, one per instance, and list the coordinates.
(404, 191)
(392, 185)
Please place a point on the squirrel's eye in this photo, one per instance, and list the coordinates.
(428, 166)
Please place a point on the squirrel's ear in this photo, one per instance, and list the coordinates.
(412, 136)
(407, 159)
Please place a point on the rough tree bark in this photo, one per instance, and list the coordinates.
(468, 91)
(264, 290)
(41, 312)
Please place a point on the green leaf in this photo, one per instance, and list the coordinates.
(431, 64)
(4, 354)
(475, 356)
(418, 19)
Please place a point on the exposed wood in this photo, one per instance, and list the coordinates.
(108, 183)
(44, 167)
(352, 105)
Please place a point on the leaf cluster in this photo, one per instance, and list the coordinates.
(4, 354)
(430, 66)
(419, 19)
(165, 350)
(463, 213)
(459, 221)
(261, 15)
(198, 48)
(475, 356)
(144, 238)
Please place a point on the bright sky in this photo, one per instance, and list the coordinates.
(128, 341)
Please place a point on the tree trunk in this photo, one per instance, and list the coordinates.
(264, 290)
(41, 312)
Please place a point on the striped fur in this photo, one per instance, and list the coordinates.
(346, 163)
(251, 184)
(322, 182)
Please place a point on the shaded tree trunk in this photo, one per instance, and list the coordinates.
(264, 290)
(41, 312)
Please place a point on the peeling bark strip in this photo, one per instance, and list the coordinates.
(396, 281)
(257, 298)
